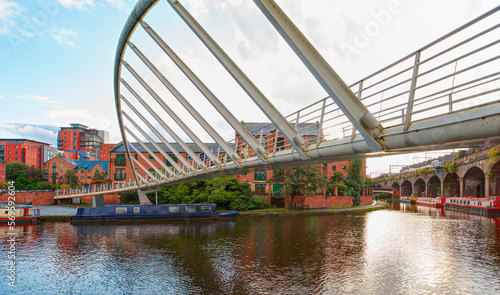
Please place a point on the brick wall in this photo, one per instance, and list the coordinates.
(33, 198)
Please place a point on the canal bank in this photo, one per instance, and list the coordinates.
(64, 213)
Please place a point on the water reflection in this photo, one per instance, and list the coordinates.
(407, 249)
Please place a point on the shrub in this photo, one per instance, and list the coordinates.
(243, 203)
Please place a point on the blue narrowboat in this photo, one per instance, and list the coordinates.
(150, 213)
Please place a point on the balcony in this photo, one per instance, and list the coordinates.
(120, 176)
(120, 162)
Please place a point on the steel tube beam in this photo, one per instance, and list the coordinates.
(171, 132)
(156, 146)
(140, 9)
(358, 114)
(411, 97)
(218, 105)
(286, 129)
(146, 170)
(196, 115)
(158, 160)
(170, 112)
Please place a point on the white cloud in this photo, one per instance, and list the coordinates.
(43, 133)
(41, 99)
(63, 35)
(8, 11)
(78, 4)
(117, 3)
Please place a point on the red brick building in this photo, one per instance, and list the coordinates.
(29, 152)
(105, 151)
(85, 170)
(79, 137)
(272, 141)
(2, 173)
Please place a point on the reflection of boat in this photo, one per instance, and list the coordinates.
(407, 199)
(148, 213)
(482, 206)
(21, 214)
(432, 202)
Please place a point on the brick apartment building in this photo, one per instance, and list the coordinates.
(29, 152)
(273, 141)
(79, 137)
(2, 173)
(85, 170)
(105, 151)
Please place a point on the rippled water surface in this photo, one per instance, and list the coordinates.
(403, 250)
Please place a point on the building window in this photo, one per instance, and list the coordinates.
(260, 189)
(260, 175)
(151, 157)
(344, 167)
(334, 168)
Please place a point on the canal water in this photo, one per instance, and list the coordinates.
(402, 250)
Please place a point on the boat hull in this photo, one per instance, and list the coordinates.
(432, 202)
(479, 206)
(21, 219)
(150, 213)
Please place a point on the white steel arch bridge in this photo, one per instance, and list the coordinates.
(443, 95)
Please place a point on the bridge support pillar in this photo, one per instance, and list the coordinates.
(98, 201)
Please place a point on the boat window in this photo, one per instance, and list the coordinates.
(190, 209)
(479, 204)
(137, 209)
(206, 208)
(121, 210)
(173, 209)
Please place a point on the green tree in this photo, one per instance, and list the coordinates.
(54, 176)
(354, 172)
(226, 192)
(368, 182)
(99, 176)
(296, 181)
(71, 178)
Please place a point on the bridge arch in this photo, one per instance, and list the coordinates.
(474, 183)
(406, 188)
(451, 185)
(434, 186)
(419, 187)
(494, 178)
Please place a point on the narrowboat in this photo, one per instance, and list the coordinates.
(431, 202)
(481, 206)
(22, 214)
(150, 213)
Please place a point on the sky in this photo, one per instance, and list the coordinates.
(56, 56)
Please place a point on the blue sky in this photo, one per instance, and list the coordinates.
(56, 56)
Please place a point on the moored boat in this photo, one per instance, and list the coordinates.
(20, 214)
(150, 213)
(481, 206)
(431, 202)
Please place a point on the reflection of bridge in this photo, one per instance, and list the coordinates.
(443, 95)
